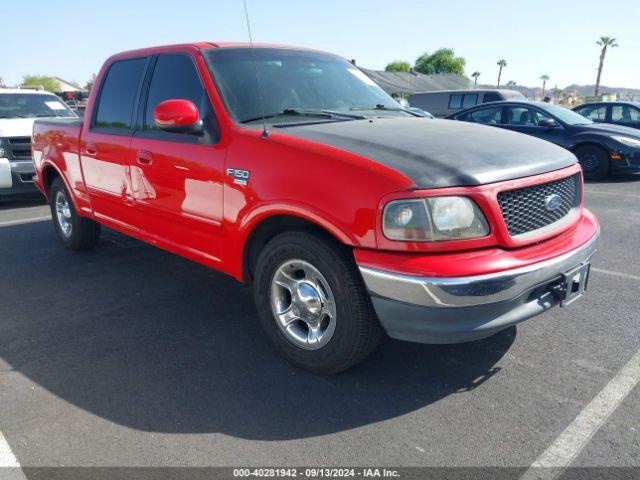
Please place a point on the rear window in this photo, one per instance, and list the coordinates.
(119, 90)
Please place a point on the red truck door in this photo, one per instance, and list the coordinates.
(106, 140)
(176, 178)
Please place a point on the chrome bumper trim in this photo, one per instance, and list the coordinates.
(475, 290)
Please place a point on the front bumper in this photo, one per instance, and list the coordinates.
(626, 159)
(461, 309)
(16, 177)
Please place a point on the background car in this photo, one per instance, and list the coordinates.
(421, 112)
(618, 113)
(447, 102)
(600, 148)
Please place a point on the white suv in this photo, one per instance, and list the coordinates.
(18, 110)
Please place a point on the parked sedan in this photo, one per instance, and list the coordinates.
(626, 114)
(600, 147)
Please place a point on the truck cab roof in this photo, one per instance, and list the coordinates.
(201, 46)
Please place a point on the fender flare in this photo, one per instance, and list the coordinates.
(327, 222)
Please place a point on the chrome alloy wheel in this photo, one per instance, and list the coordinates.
(303, 304)
(63, 213)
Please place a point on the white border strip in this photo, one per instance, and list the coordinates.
(7, 459)
(26, 220)
(9, 467)
(564, 450)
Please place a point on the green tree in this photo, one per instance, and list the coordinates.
(1, 82)
(398, 66)
(605, 43)
(50, 84)
(501, 63)
(89, 85)
(545, 78)
(441, 61)
(475, 76)
(511, 83)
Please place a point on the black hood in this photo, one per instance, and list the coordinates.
(440, 153)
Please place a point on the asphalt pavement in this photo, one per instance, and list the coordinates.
(130, 356)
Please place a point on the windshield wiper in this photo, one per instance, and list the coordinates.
(14, 115)
(306, 112)
(380, 106)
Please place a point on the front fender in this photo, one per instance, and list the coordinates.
(593, 138)
(300, 210)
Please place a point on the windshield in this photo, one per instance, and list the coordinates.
(567, 116)
(31, 105)
(293, 79)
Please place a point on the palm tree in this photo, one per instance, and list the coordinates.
(501, 63)
(604, 42)
(511, 83)
(475, 76)
(545, 78)
(558, 93)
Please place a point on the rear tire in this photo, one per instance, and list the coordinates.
(314, 279)
(595, 162)
(73, 231)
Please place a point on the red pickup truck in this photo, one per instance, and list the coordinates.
(289, 169)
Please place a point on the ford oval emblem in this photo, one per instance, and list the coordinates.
(553, 202)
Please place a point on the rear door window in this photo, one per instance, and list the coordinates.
(625, 114)
(118, 94)
(455, 101)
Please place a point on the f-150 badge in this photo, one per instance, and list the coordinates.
(241, 177)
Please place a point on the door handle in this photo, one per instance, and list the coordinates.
(91, 149)
(144, 157)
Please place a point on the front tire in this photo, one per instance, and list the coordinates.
(73, 231)
(312, 303)
(595, 162)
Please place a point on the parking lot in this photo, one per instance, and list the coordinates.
(131, 356)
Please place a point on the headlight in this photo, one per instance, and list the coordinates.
(434, 218)
(629, 141)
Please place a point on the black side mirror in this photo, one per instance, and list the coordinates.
(547, 123)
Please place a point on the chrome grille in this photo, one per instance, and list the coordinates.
(525, 209)
(20, 141)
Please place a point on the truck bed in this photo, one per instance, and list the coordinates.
(59, 140)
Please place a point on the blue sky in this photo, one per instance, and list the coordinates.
(71, 39)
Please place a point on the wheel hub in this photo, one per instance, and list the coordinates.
(589, 161)
(303, 304)
(63, 213)
(307, 301)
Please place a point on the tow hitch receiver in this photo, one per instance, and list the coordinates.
(572, 284)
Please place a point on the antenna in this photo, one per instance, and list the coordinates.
(265, 132)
